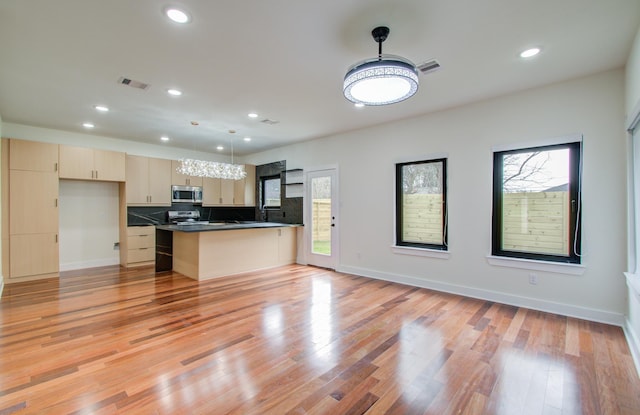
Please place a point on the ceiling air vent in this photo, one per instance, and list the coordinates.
(269, 122)
(429, 66)
(134, 84)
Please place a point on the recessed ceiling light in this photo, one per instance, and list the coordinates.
(219, 148)
(247, 139)
(88, 125)
(164, 138)
(252, 115)
(359, 105)
(177, 15)
(101, 108)
(529, 53)
(174, 92)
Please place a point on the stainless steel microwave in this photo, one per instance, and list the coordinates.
(186, 194)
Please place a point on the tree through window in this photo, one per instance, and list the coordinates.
(536, 203)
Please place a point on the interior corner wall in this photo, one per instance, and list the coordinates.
(592, 106)
(632, 92)
(632, 81)
(1, 275)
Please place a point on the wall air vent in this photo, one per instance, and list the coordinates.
(134, 84)
(429, 66)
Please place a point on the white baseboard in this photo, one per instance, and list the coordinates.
(94, 263)
(584, 313)
(634, 344)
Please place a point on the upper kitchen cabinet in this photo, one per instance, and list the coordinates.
(89, 164)
(180, 179)
(245, 193)
(148, 181)
(223, 192)
(33, 156)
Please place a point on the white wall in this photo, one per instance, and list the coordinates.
(88, 224)
(632, 91)
(592, 106)
(632, 81)
(1, 275)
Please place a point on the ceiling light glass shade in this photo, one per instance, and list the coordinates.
(381, 81)
(213, 169)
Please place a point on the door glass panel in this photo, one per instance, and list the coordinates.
(321, 215)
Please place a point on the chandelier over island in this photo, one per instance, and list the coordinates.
(213, 169)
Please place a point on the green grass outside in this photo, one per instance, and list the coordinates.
(322, 247)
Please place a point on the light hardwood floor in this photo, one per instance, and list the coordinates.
(296, 340)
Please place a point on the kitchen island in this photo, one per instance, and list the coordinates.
(217, 249)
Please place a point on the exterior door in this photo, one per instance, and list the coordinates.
(322, 208)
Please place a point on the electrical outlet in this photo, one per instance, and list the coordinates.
(533, 279)
(116, 246)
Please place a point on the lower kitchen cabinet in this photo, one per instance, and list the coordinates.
(33, 255)
(141, 245)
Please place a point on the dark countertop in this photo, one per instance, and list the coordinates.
(224, 226)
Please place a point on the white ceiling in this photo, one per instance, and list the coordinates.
(283, 59)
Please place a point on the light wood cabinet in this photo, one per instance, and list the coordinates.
(222, 192)
(148, 181)
(33, 156)
(180, 179)
(31, 209)
(141, 245)
(32, 255)
(90, 164)
(33, 202)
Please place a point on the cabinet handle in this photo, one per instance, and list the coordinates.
(55, 166)
(220, 201)
(96, 174)
(55, 202)
(56, 238)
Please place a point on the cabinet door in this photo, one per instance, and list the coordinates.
(33, 204)
(250, 185)
(34, 156)
(76, 163)
(180, 179)
(238, 192)
(226, 191)
(137, 180)
(211, 195)
(159, 182)
(33, 254)
(109, 165)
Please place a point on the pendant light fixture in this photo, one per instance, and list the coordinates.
(213, 169)
(384, 80)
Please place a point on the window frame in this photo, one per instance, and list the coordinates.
(575, 218)
(399, 242)
(263, 186)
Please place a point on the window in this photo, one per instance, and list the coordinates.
(421, 204)
(536, 203)
(271, 192)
